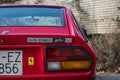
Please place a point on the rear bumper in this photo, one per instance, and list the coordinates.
(37, 72)
(48, 77)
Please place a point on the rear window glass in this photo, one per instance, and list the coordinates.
(32, 16)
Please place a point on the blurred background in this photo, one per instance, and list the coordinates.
(101, 19)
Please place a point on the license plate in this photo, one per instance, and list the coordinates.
(10, 62)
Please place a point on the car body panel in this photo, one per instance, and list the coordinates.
(16, 38)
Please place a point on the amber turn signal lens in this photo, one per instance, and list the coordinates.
(76, 65)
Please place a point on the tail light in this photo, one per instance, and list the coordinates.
(68, 58)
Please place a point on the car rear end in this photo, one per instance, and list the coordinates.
(39, 42)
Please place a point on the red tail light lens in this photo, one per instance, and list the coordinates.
(67, 53)
(63, 54)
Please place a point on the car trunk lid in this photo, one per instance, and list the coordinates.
(34, 35)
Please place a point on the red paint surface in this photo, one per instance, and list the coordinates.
(17, 40)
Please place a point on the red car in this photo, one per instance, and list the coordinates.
(43, 42)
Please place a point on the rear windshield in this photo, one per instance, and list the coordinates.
(32, 16)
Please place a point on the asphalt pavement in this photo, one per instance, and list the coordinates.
(108, 77)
